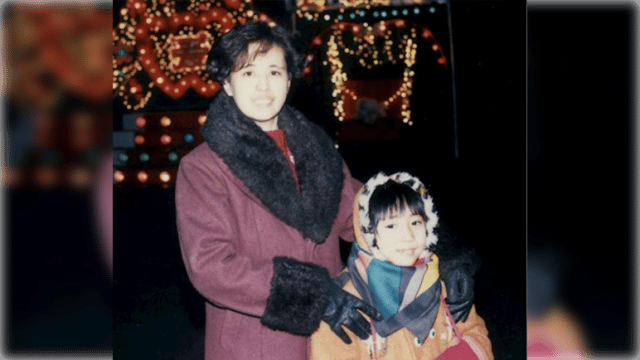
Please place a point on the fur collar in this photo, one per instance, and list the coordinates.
(257, 161)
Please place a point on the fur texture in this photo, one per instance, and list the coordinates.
(298, 298)
(255, 159)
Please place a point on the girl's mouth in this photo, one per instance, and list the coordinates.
(410, 251)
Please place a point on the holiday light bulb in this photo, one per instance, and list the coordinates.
(164, 176)
(118, 176)
(143, 176)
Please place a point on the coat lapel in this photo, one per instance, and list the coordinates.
(254, 158)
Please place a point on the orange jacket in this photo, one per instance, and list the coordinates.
(402, 345)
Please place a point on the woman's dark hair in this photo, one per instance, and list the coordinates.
(391, 198)
(230, 52)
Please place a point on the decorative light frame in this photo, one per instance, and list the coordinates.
(369, 54)
(149, 33)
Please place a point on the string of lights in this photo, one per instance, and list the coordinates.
(162, 46)
(321, 5)
(387, 42)
(149, 148)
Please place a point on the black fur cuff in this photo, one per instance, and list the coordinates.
(298, 296)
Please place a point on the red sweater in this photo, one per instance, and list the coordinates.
(278, 136)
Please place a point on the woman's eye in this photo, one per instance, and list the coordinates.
(390, 226)
(247, 73)
(276, 73)
(417, 222)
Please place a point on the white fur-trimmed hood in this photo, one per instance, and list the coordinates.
(362, 227)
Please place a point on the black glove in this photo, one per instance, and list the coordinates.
(302, 294)
(458, 264)
(343, 311)
(459, 283)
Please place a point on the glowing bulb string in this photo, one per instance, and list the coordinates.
(156, 39)
(367, 37)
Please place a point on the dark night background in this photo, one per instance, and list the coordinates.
(576, 194)
(580, 137)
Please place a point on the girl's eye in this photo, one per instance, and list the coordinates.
(417, 222)
(247, 73)
(390, 226)
(276, 73)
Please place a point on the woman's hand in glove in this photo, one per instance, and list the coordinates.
(303, 294)
(342, 310)
(459, 283)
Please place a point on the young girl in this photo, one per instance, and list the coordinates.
(391, 266)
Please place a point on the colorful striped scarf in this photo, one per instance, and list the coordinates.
(394, 291)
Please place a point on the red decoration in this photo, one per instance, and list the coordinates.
(165, 139)
(143, 176)
(172, 47)
(141, 31)
(141, 122)
(186, 52)
(122, 53)
(84, 74)
(233, 4)
(137, 7)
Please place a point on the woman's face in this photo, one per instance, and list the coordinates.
(260, 88)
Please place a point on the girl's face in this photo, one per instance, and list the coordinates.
(401, 237)
(260, 88)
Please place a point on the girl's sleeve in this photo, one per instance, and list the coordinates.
(208, 232)
(325, 345)
(475, 333)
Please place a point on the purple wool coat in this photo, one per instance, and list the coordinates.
(228, 239)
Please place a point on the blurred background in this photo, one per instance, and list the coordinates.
(57, 178)
(451, 110)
